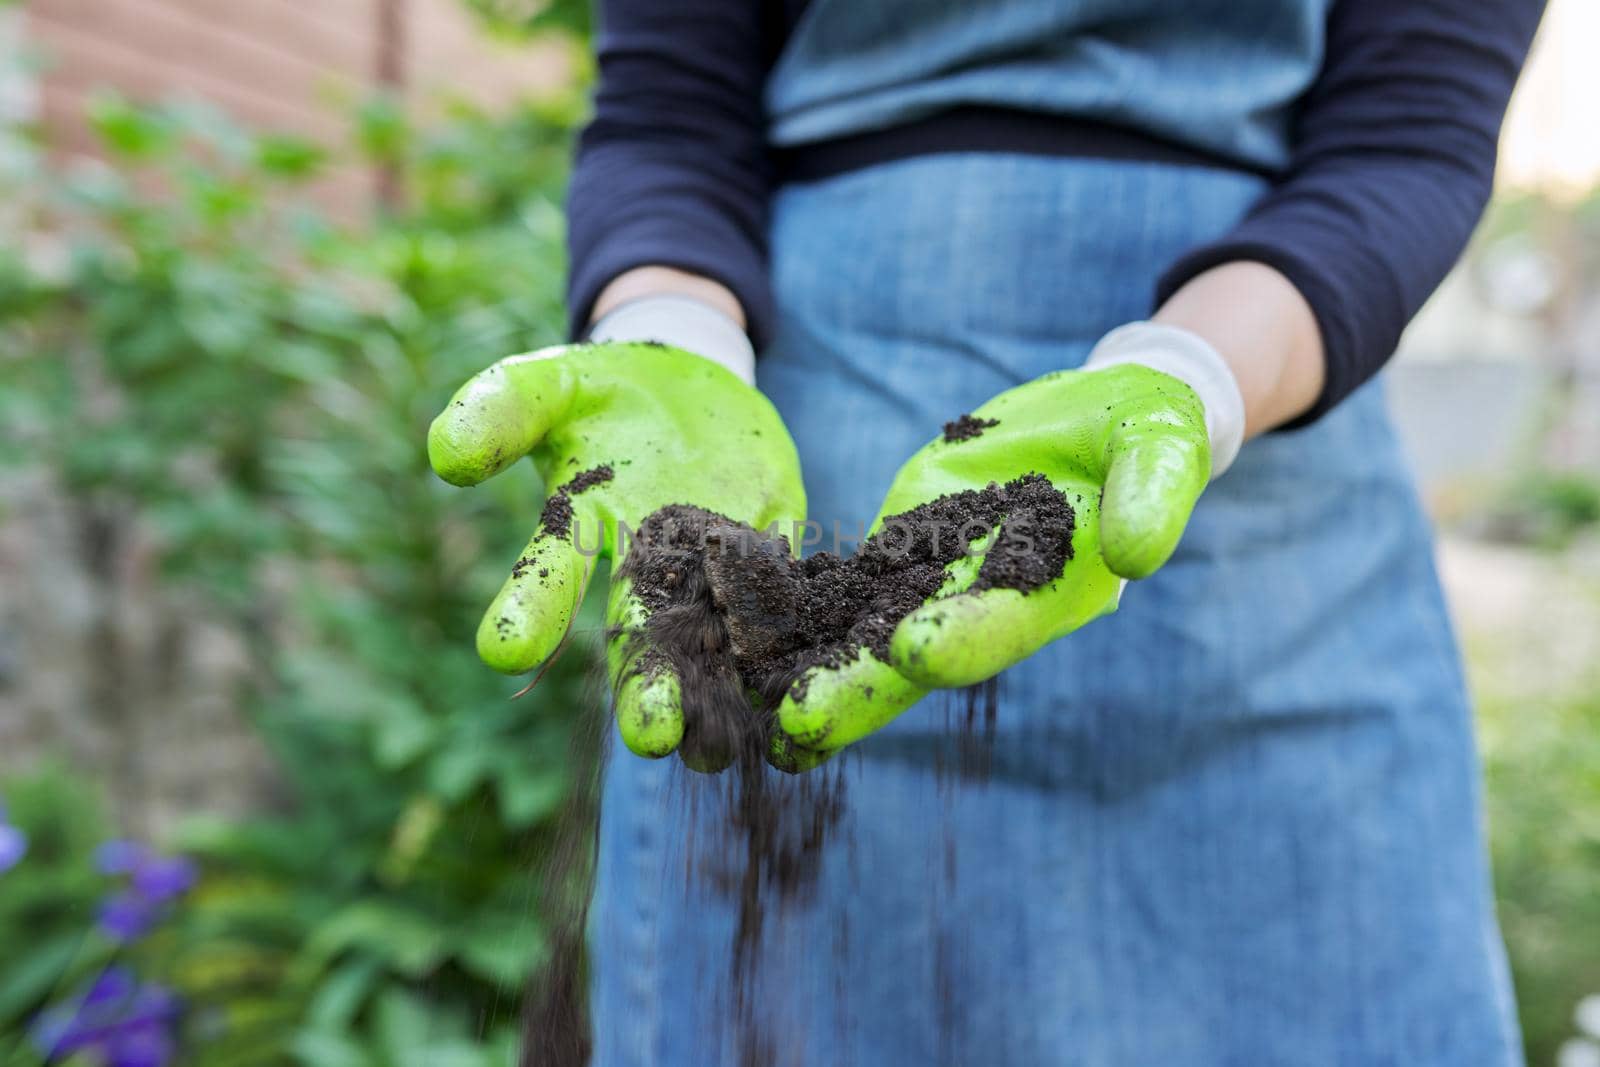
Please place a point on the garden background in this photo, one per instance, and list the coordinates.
(259, 803)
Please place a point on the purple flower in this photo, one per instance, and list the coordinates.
(124, 1023)
(148, 1045)
(115, 985)
(161, 878)
(69, 1028)
(125, 916)
(120, 857)
(13, 845)
(153, 881)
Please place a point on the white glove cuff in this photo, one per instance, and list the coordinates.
(683, 322)
(1189, 358)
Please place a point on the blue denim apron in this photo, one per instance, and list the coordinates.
(1237, 822)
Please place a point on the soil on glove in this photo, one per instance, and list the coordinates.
(966, 428)
(734, 613)
(556, 519)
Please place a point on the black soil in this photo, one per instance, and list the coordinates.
(966, 428)
(556, 519)
(555, 1023)
(735, 614)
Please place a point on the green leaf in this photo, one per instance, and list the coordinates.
(41, 970)
(504, 1049)
(407, 942)
(529, 793)
(318, 1048)
(128, 130)
(504, 952)
(404, 1025)
(289, 157)
(452, 1053)
(341, 994)
(402, 733)
(381, 129)
(457, 770)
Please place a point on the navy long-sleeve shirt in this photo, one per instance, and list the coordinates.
(1385, 154)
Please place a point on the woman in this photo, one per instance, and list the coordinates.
(1235, 822)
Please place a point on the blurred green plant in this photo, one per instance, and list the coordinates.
(48, 899)
(518, 17)
(190, 348)
(1544, 509)
(81, 915)
(1543, 768)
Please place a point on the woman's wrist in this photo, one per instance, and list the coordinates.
(1189, 358)
(682, 322)
(655, 281)
(1264, 330)
(676, 308)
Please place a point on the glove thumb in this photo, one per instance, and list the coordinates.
(1151, 487)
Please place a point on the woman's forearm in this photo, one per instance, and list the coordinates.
(1264, 330)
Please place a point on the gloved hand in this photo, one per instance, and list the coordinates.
(1131, 440)
(617, 430)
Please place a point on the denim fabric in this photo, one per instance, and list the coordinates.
(1237, 822)
(1217, 75)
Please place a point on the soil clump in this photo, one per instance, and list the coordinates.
(966, 427)
(737, 616)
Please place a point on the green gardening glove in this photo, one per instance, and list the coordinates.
(617, 430)
(1130, 446)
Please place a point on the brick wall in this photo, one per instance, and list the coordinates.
(282, 65)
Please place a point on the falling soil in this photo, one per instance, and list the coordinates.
(966, 428)
(740, 621)
(555, 1017)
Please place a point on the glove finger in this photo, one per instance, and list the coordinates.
(969, 638)
(528, 619)
(962, 637)
(650, 709)
(789, 757)
(841, 705)
(1151, 487)
(648, 691)
(501, 413)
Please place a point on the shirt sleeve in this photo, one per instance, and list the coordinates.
(1392, 164)
(673, 169)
